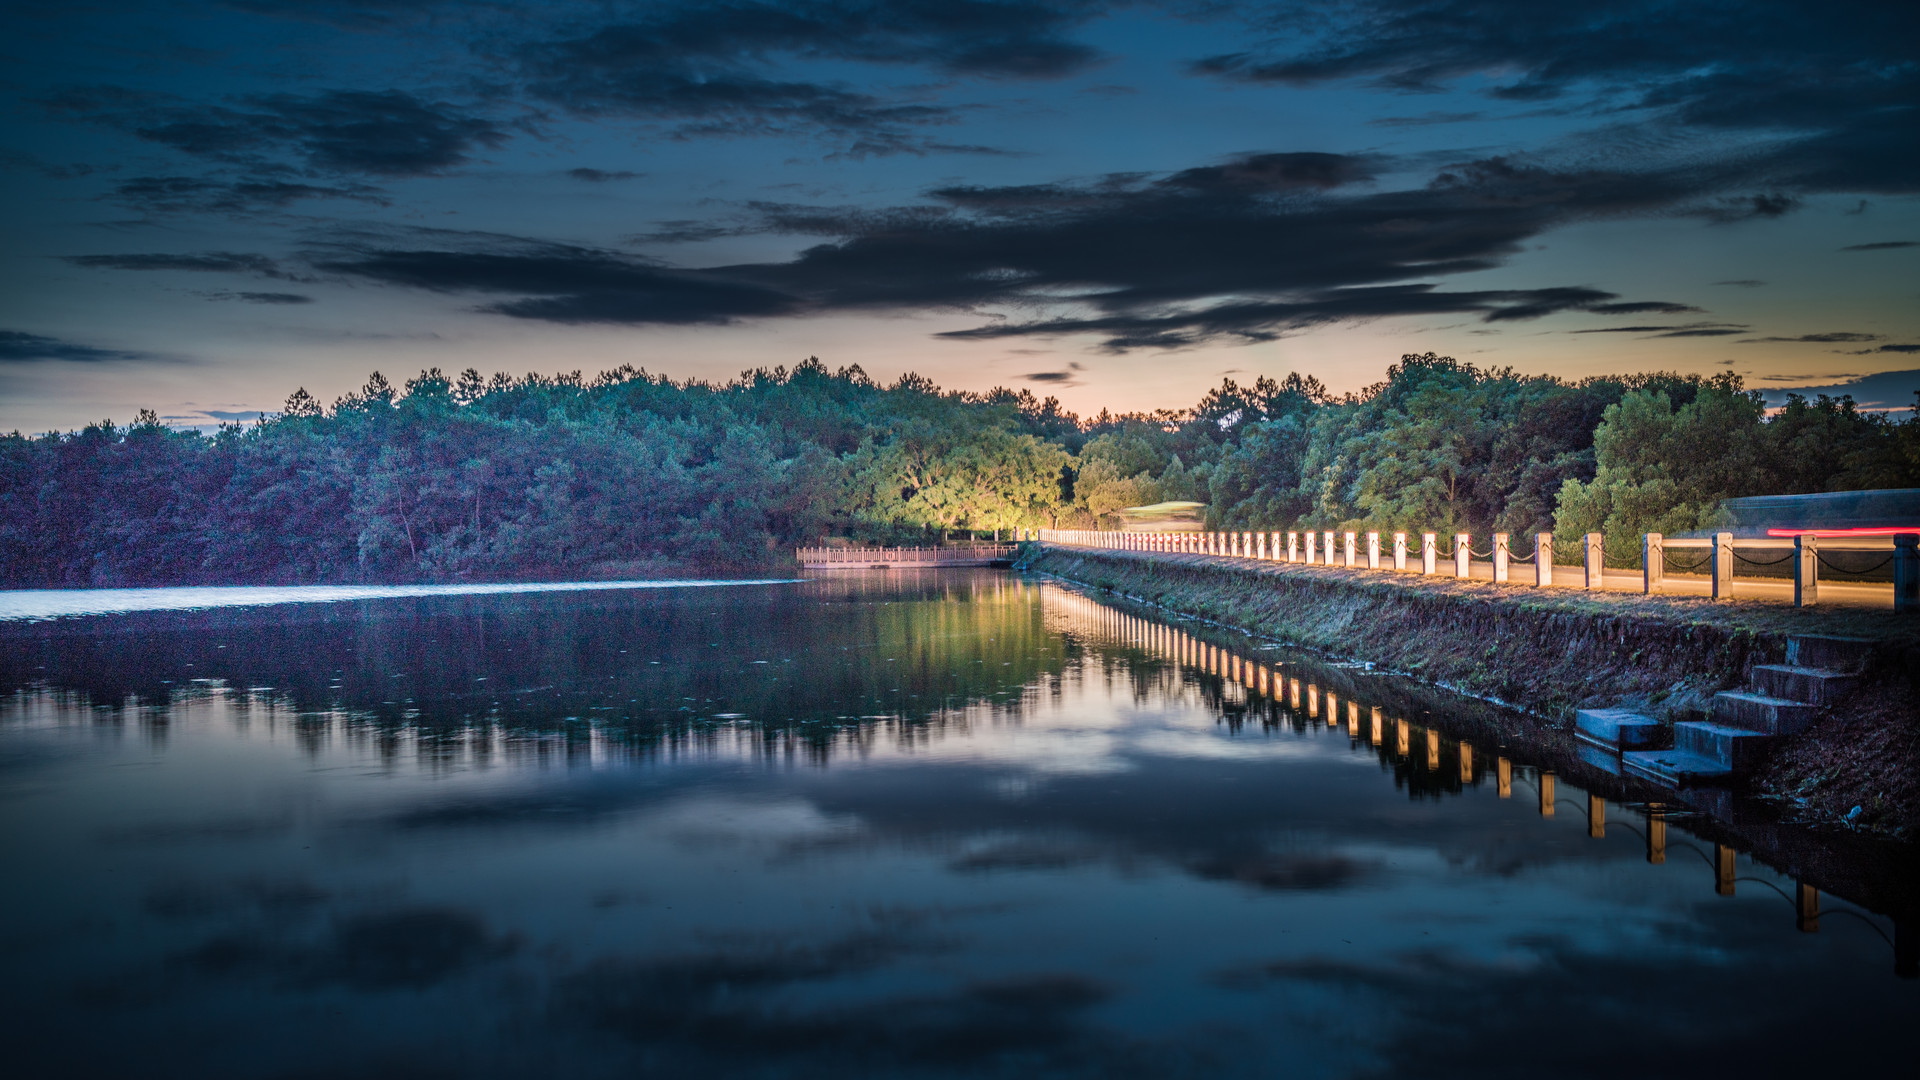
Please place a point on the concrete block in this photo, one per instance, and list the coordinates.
(1837, 653)
(1758, 712)
(1673, 768)
(1815, 686)
(1736, 749)
(1616, 729)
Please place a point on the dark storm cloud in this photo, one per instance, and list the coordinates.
(1884, 245)
(19, 347)
(708, 68)
(1242, 250)
(382, 133)
(1839, 92)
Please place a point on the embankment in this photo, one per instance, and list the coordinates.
(1550, 651)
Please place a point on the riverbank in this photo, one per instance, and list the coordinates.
(1550, 652)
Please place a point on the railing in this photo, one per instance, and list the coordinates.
(1806, 554)
(965, 555)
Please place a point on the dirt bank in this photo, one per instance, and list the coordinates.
(1550, 652)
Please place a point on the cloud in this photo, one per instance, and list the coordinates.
(559, 283)
(1807, 103)
(1426, 119)
(387, 133)
(1243, 249)
(19, 347)
(713, 68)
(601, 176)
(1650, 307)
(261, 297)
(1743, 283)
(220, 262)
(175, 194)
(1670, 331)
(1837, 336)
(1883, 245)
(1895, 348)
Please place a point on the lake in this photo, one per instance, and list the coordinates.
(881, 824)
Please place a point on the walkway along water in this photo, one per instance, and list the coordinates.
(1858, 561)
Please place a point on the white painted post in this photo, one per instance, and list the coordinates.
(1462, 554)
(1429, 552)
(1723, 566)
(1347, 549)
(1653, 563)
(1501, 553)
(1312, 539)
(1260, 546)
(1543, 559)
(1806, 572)
(1246, 545)
(1399, 551)
(1327, 538)
(1596, 561)
(1906, 572)
(1293, 547)
(1373, 551)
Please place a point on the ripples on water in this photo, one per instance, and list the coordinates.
(944, 823)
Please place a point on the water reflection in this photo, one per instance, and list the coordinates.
(879, 824)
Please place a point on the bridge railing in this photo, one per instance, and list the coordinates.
(1803, 556)
(903, 556)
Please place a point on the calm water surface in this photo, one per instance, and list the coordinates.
(952, 823)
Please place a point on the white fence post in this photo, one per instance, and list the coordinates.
(1462, 554)
(1429, 552)
(1906, 572)
(1723, 566)
(1543, 559)
(1806, 572)
(1501, 552)
(1327, 539)
(1312, 537)
(1347, 549)
(1596, 561)
(1373, 551)
(1293, 547)
(1653, 563)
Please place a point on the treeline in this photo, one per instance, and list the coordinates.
(444, 479)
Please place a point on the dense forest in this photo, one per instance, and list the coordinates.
(632, 473)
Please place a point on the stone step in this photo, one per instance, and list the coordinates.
(1815, 686)
(1835, 653)
(1616, 729)
(1673, 768)
(1758, 712)
(1734, 749)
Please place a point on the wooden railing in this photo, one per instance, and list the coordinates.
(1353, 550)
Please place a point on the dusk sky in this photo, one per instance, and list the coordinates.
(209, 204)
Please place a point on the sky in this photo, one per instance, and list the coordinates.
(206, 205)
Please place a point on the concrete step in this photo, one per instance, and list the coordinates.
(1616, 729)
(1815, 686)
(1673, 768)
(1836, 653)
(1733, 749)
(1758, 712)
